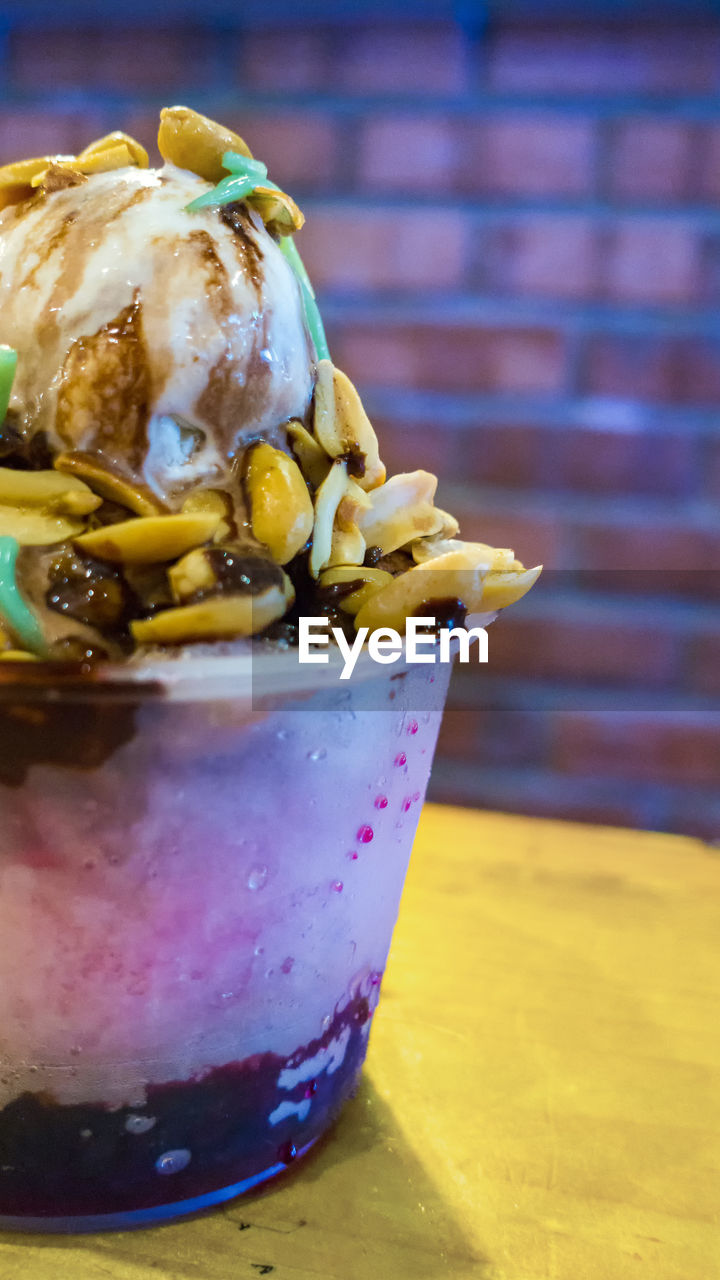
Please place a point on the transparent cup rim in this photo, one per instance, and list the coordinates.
(251, 673)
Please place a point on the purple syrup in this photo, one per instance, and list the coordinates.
(77, 1159)
(365, 834)
(381, 802)
(400, 759)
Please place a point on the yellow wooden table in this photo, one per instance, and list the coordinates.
(542, 1096)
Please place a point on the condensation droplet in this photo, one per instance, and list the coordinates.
(365, 834)
(406, 804)
(320, 754)
(337, 886)
(352, 855)
(257, 877)
(400, 759)
(173, 1161)
(287, 964)
(381, 802)
(259, 951)
(412, 727)
(140, 1124)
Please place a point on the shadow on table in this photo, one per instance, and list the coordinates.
(360, 1206)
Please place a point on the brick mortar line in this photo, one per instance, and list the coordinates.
(486, 210)
(583, 510)
(460, 412)
(651, 799)
(642, 788)
(584, 604)
(596, 107)
(515, 695)
(452, 309)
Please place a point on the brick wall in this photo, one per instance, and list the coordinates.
(516, 242)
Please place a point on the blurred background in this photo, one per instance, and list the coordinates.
(514, 229)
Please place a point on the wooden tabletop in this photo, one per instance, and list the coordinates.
(542, 1094)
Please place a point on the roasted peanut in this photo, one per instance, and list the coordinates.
(343, 428)
(281, 510)
(149, 539)
(193, 141)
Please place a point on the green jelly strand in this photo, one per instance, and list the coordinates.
(312, 311)
(8, 365)
(13, 608)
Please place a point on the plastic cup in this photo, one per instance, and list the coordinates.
(200, 873)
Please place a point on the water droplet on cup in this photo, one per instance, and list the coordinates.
(287, 1152)
(381, 802)
(400, 759)
(352, 855)
(140, 1124)
(257, 877)
(259, 951)
(412, 727)
(365, 834)
(320, 754)
(337, 886)
(287, 964)
(173, 1161)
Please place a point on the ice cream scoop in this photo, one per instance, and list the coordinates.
(157, 338)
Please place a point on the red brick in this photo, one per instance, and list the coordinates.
(300, 149)
(695, 815)
(490, 736)
(675, 59)
(578, 458)
(123, 58)
(544, 256)
(528, 155)
(649, 748)
(652, 261)
(654, 160)
(536, 538)
(416, 59)
(538, 793)
(357, 249)
(656, 544)
(284, 60)
(407, 153)
(712, 470)
(563, 648)
(406, 446)
(597, 461)
(709, 178)
(704, 663)
(650, 557)
(33, 133)
(642, 367)
(509, 455)
(453, 357)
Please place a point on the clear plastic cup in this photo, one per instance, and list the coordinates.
(200, 871)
